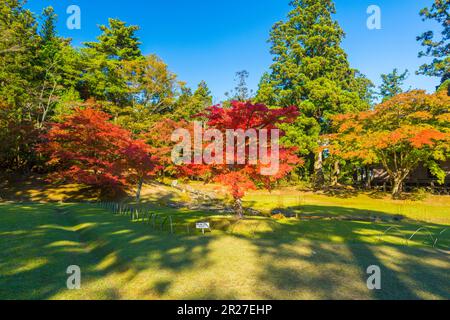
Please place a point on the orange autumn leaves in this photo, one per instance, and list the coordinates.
(412, 126)
(413, 120)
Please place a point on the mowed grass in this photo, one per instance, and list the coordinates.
(433, 209)
(257, 258)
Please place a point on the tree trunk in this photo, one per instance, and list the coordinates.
(238, 208)
(335, 174)
(319, 178)
(397, 184)
(368, 178)
(139, 190)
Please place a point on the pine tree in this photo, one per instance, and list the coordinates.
(56, 67)
(203, 95)
(48, 28)
(311, 70)
(190, 105)
(435, 48)
(392, 84)
(103, 77)
(18, 46)
(36, 68)
(117, 41)
(265, 93)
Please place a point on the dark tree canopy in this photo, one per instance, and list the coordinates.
(436, 47)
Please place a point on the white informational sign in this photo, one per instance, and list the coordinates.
(203, 226)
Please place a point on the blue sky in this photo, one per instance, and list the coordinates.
(210, 40)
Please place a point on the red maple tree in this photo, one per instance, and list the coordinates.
(86, 148)
(244, 172)
(158, 137)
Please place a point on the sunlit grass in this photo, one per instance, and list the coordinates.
(255, 258)
(434, 209)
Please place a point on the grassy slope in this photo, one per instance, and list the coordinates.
(121, 259)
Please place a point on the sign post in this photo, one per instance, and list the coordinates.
(203, 226)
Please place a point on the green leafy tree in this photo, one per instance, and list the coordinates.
(152, 90)
(189, 104)
(203, 94)
(365, 88)
(182, 106)
(436, 48)
(266, 91)
(48, 28)
(36, 68)
(57, 68)
(392, 84)
(310, 68)
(18, 46)
(118, 41)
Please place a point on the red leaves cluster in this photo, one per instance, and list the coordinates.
(237, 182)
(245, 115)
(86, 148)
(158, 137)
(240, 178)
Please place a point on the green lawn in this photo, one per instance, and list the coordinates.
(258, 258)
(433, 209)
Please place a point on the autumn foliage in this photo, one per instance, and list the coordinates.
(242, 176)
(158, 137)
(86, 148)
(409, 129)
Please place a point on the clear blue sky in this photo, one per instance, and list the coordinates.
(210, 40)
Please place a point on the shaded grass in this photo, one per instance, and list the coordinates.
(288, 259)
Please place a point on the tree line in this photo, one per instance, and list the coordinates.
(102, 114)
(44, 78)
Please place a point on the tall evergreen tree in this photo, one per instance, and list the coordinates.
(57, 67)
(310, 67)
(191, 104)
(392, 84)
(48, 28)
(436, 48)
(203, 94)
(311, 70)
(117, 41)
(103, 77)
(266, 91)
(18, 46)
(37, 67)
(241, 91)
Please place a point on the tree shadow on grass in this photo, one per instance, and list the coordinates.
(35, 188)
(299, 264)
(295, 260)
(38, 244)
(343, 213)
(308, 212)
(407, 273)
